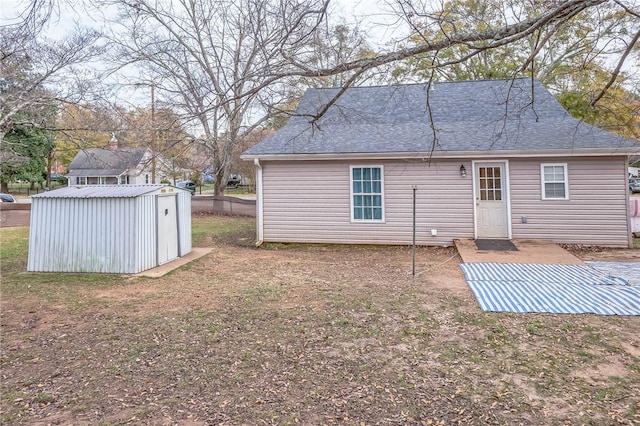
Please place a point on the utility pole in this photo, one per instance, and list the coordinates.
(153, 135)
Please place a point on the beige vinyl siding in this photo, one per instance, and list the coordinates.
(309, 201)
(595, 213)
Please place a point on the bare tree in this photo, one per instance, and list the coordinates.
(216, 60)
(37, 74)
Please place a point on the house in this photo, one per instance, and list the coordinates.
(487, 159)
(113, 166)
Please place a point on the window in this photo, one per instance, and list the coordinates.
(146, 178)
(366, 193)
(82, 180)
(555, 183)
(490, 183)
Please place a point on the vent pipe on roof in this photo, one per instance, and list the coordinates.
(113, 143)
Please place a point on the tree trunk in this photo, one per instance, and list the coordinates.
(220, 185)
(4, 187)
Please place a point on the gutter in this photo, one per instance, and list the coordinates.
(259, 204)
(426, 156)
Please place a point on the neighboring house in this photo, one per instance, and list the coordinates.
(113, 166)
(487, 159)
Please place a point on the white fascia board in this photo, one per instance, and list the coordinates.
(591, 152)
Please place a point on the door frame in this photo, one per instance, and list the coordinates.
(506, 191)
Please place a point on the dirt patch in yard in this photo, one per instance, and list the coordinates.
(603, 254)
(297, 334)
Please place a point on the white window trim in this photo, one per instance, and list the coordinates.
(566, 181)
(382, 202)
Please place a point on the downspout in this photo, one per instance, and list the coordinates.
(259, 204)
(627, 199)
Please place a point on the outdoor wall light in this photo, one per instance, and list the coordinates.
(463, 171)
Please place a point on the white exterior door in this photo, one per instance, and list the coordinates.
(492, 218)
(167, 229)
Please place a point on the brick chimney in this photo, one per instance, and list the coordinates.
(113, 143)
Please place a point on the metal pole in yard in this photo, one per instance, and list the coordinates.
(413, 254)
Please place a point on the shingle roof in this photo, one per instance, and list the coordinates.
(468, 116)
(105, 162)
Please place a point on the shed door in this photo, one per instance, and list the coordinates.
(491, 200)
(167, 229)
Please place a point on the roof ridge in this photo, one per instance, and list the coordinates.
(422, 83)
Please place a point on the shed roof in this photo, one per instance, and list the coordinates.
(103, 191)
(468, 117)
(106, 162)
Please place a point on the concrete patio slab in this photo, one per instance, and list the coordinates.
(162, 270)
(529, 251)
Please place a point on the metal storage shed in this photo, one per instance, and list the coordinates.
(117, 229)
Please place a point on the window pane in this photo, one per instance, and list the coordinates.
(357, 187)
(357, 200)
(377, 201)
(367, 214)
(367, 187)
(357, 174)
(366, 174)
(498, 194)
(375, 173)
(357, 213)
(559, 174)
(554, 190)
(490, 172)
(377, 213)
(490, 195)
(496, 172)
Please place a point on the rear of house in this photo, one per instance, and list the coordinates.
(533, 174)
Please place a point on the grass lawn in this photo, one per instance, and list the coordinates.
(308, 334)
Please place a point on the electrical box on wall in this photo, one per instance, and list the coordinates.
(434, 232)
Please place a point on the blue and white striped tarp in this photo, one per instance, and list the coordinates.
(630, 271)
(560, 289)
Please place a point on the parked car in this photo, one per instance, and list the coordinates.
(234, 180)
(634, 185)
(7, 198)
(188, 185)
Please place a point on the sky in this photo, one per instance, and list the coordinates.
(374, 15)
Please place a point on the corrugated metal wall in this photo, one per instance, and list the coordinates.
(310, 202)
(82, 235)
(184, 222)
